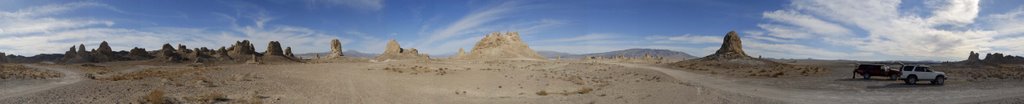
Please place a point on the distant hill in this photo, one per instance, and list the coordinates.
(635, 52)
(349, 53)
(554, 54)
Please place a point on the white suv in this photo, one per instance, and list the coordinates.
(911, 74)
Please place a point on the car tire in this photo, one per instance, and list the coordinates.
(939, 80)
(911, 80)
(866, 76)
(894, 77)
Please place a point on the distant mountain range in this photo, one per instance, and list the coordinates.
(635, 52)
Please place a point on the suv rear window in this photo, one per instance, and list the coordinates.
(908, 68)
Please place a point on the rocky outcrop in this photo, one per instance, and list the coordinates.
(502, 46)
(335, 49)
(973, 57)
(460, 55)
(274, 48)
(139, 54)
(102, 54)
(3, 57)
(999, 58)
(732, 48)
(288, 52)
(394, 51)
(168, 54)
(241, 50)
(222, 53)
(70, 53)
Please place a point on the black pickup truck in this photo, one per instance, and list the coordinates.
(868, 70)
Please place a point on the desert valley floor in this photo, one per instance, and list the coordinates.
(476, 81)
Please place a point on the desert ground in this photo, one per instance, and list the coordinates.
(470, 81)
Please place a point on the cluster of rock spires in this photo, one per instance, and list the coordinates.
(732, 48)
(995, 58)
(501, 45)
(239, 52)
(394, 51)
(495, 45)
(102, 54)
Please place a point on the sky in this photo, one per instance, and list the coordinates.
(939, 30)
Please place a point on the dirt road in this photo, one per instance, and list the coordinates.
(70, 77)
(824, 96)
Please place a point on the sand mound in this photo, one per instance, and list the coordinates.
(395, 51)
(497, 45)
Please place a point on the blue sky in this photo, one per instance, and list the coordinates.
(824, 29)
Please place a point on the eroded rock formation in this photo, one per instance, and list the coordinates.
(335, 49)
(241, 50)
(732, 48)
(274, 48)
(139, 54)
(395, 51)
(460, 55)
(502, 45)
(168, 54)
(102, 54)
(973, 57)
(288, 52)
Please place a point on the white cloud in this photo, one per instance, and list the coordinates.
(806, 22)
(887, 31)
(471, 21)
(467, 29)
(34, 20)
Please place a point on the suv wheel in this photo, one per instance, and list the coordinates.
(939, 80)
(911, 80)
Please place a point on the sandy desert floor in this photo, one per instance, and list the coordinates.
(483, 81)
